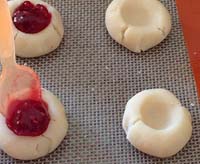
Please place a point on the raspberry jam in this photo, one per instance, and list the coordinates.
(28, 117)
(30, 18)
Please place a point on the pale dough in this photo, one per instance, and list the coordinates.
(138, 24)
(28, 148)
(44, 42)
(156, 123)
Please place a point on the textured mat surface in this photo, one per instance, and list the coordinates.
(94, 77)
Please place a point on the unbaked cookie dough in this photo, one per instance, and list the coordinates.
(138, 24)
(28, 148)
(32, 43)
(156, 123)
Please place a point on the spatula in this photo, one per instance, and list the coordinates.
(16, 81)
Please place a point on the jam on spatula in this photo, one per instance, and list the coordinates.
(30, 18)
(20, 90)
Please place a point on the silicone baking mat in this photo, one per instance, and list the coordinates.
(94, 77)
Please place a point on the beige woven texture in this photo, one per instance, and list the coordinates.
(94, 77)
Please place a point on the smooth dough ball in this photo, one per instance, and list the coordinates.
(156, 123)
(44, 42)
(28, 148)
(138, 24)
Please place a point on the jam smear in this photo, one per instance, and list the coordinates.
(28, 117)
(30, 18)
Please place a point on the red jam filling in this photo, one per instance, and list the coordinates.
(30, 18)
(28, 117)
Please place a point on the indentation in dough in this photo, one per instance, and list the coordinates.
(136, 14)
(157, 113)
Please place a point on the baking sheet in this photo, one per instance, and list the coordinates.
(94, 77)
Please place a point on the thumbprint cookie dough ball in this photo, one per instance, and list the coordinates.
(25, 144)
(38, 27)
(138, 24)
(156, 123)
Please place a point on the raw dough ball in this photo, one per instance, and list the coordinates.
(38, 44)
(138, 24)
(156, 123)
(28, 148)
